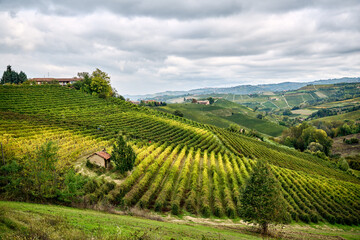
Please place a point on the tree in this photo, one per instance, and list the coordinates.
(100, 84)
(262, 200)
(6, 78)
(123, 155)
(40, 171)
(211, 100)
(234, 127)
(287, 112)
(303, 134)
(22, 77)
(10, 76)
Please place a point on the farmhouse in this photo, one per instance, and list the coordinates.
(206, 102)
(274, 98)
(101, 159)
(135, 102)
(62, 81)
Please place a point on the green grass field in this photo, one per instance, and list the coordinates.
(223, 113)
(355, 116)
(35, 221)
(50, 222)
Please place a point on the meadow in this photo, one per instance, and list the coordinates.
(34, 221)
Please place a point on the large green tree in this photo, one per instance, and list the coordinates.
(6, 77)
(10, 76)
(262, 200)
(22, 77)
(302, 135)
(123, 155)
(41, 179)
(98, 84)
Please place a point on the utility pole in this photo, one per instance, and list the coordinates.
(2, 151)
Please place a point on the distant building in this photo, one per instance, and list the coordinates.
(206, 102)
(274, 98)
(101, 159)
(135, 102)
(62, 81)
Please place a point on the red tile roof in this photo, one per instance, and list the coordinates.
(103, 154)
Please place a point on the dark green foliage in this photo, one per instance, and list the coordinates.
(234, 128)
(287, 112)
(73, 186)
(343, 164)
(354, 161)
(262, 200)
(351, 140)
(178, 113)
(97, 84)
(10, 76)
(211, 100)
(302, 135)
(22, 77)
(6, 78)
(10, 178)
(36, 178)
(42, 175)
(123, 155)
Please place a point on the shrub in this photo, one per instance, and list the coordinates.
(343, 165)
(351, 141)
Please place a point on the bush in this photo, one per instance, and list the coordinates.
(178, 113)
(343, 165)
(354, 162)
(91, 186)
(351, 140)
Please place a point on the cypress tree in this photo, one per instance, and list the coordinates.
(123, 155)
(262, 200)
(22, 77)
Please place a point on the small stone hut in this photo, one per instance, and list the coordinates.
(101, 159)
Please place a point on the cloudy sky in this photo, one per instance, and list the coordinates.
(157, 45)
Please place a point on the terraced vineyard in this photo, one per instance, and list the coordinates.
(184, 166)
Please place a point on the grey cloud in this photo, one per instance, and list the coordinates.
(163, 45)
(185, 9)
(156, 8)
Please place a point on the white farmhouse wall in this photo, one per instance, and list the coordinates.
(95, 159)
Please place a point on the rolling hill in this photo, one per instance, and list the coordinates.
(222, 113)
(242, 89)
(182, 166)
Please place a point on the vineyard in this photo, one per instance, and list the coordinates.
(182, 166)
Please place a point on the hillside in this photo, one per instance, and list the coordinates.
(182, 166)
(241, 89)
(26, 220)
(223, 113)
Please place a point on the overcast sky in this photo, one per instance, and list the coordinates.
(157, 45)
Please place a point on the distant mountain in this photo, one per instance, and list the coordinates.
(242, 89)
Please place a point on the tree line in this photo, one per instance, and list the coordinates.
(12, 77)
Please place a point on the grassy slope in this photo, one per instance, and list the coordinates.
(339, 147)
(355, 116)
(64, 110)
(57, 222)
(93, 224)
(223, 113)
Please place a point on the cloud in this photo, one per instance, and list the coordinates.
(152, 46)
